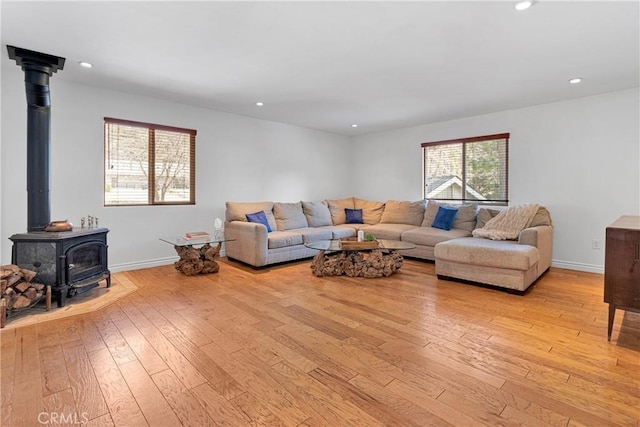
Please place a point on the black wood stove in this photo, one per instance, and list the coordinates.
(70, 261)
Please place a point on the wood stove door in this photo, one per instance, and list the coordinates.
(85, 260)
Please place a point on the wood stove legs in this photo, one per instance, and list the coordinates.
(70, 291)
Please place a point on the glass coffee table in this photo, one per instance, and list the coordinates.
(197, 256)
(357, 259)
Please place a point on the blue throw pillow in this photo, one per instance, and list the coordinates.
(260, 218)
(444, 218)
(354, 216)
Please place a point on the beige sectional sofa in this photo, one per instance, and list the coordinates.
(512, 264)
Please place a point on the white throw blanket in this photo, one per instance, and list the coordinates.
(508, 224)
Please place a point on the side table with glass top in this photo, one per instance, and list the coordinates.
(197, 256)
(336, 258)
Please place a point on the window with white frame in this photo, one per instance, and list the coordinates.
(148, 164)
(474, 169)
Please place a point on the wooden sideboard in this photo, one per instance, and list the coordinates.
(622, 267)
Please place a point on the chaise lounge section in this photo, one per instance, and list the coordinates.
(511, 264)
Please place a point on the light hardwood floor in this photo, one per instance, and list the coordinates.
(282, 347)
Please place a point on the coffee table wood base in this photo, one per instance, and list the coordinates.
(197, 260)
(370, 264)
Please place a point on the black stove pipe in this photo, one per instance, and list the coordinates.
(37, 67)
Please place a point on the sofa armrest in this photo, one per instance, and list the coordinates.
(541, 237)
(250, 244)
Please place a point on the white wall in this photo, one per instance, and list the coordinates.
(238, 158)
(579, 158)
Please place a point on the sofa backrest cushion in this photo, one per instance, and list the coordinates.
(259, 218)
(289, 216)
(337, 207)
(430, 213)
(371, 210)
(542, 217)
(237, 211)
(403, 212)
(465, 218)
(317, 213)
(484, 215)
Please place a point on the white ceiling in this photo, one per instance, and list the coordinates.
(326, 65)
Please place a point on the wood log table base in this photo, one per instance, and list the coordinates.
(197, 260)
(375, 263)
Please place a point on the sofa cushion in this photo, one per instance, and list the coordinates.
(337, 207)
(489, 253)
(444, 218)
(484, 215)
(289, 216)
(542, 217)
(341, 231)
(465, 218)
(259, 218)
(430, 236)
(236, 211)
(388, 231)
(353, 216)
(371, 210)
(430, 212)
(314, 234)
(281, 239)
(317, 213)
(403, 212)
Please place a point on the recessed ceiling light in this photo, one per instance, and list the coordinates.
(84, 64)
(524, 4)
(575, 80)
(259, 104)
(354, 125)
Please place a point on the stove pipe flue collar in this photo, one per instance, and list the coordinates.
(37, 67)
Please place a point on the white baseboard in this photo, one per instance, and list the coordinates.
(569, 265)
(114, 268)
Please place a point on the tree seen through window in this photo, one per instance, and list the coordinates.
(133, 149)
